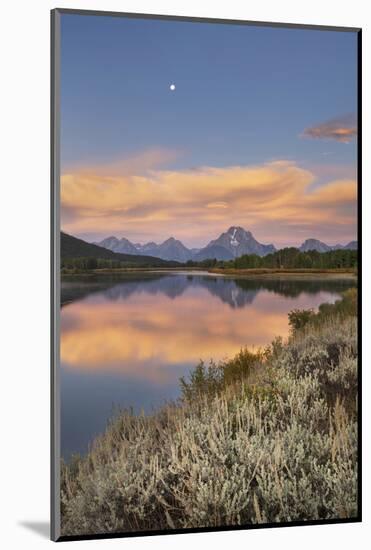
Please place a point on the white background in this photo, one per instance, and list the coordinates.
(24, 237)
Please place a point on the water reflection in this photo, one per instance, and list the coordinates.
(233, 291)
(127, 342)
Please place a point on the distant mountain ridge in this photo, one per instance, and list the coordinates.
(72, 247)
(120, 246)
(314, 244)
(229, 245)
(353, 245)
(171, 249)
(319, 246)
(233, 243)
(237, 241)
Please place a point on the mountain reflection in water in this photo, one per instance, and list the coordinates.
(126, 341)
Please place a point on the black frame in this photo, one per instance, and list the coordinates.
(55, 271)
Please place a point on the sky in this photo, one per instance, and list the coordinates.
(259, 132)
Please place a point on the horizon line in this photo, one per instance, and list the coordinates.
(278, 247)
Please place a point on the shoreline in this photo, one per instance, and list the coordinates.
(242, 273)
(251, 407)
(287, 273)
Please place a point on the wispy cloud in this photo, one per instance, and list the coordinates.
(138, 355)
(277, 200)
(342, 129)
(137, 164)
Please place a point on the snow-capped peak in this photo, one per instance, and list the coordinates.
(234, 241)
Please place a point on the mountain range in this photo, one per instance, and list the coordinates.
(319, 246)
(72, 247)
(231, 244)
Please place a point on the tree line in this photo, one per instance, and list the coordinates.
(87, 264)
(294, 258)
(288, 258)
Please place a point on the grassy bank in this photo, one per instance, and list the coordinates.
(253, 272)
(347, 272)
(116, 271)
(267, 436)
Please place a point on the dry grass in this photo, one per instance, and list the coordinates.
(278, 445)
(300, 273)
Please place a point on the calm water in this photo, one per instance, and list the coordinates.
(126, 341)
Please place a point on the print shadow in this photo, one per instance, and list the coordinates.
(41, 528)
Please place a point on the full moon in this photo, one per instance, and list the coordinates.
(172, 87)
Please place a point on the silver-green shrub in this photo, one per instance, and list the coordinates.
(279, 446)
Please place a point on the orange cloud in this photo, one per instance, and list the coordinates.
(341, 129)
(124, 338)
(135, 164)
(196, 205)
(217, 205)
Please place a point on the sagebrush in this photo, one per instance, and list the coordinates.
(269, 436)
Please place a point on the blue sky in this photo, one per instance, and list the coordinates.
(244, 95)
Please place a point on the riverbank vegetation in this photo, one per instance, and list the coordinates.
(288, 258)
(285, 260)
(269, 435)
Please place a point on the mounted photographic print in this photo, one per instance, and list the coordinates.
(205, 274)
